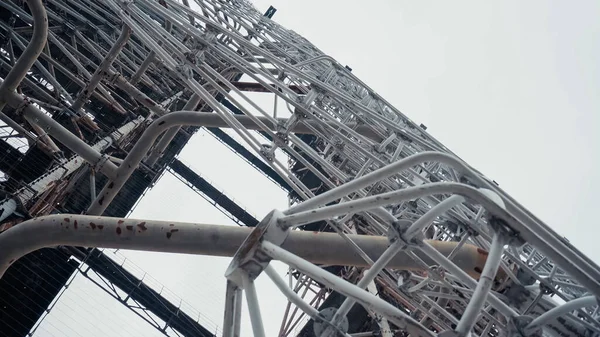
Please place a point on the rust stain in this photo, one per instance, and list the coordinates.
(129, 228)
(482, 252)
(100, 227)
(118, 230)
(171, 225)
(75, 224)
(142, 226)
(67, 219)
(92, 225)
(120, 222)
(170, 233)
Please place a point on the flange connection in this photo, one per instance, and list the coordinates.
(249, 258)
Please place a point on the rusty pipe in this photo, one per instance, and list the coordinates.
(205, 239)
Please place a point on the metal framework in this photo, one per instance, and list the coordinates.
(416, 242)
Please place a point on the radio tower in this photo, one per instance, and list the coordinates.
(97, 99)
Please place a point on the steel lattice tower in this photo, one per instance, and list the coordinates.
(98, 97)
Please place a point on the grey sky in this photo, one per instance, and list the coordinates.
(510, 86)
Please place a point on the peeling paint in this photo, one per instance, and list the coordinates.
(142, 226)
(170, 233)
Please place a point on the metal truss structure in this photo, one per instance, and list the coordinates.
(412, 240)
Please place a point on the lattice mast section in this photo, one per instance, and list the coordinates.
(471, 259)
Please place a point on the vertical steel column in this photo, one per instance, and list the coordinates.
(92, 183)
(253, 306)
(231, 320)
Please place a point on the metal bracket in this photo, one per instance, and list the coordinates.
(249, 258)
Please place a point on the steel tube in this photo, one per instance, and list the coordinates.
(289, 293)
(563, 309)
(367, 278)
(65, 137)
(486, 281)
(138, 152)
(92, 183)
(427, 218)
(237, 322)
(60, 133)
(112, 54)
(135, 78)
(373, 177)
(136, 94)
(232, 296)
(214, 240)
(159, 149)
(348, 289)
(253, 306)
(383, 199)
(389, 254)
(31, 52)
(464, 277)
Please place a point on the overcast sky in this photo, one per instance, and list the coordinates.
(510, 86)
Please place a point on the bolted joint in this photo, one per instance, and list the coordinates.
(114, 78)
(512, 237)
(397, 231)
(436, 273)
(404, 279)
(268, 151)
(250, 259)
(338, 143)
(185, 70)
(101, 163)
(22, 106)
(281, 139)
(545, 289)
(300, 113)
